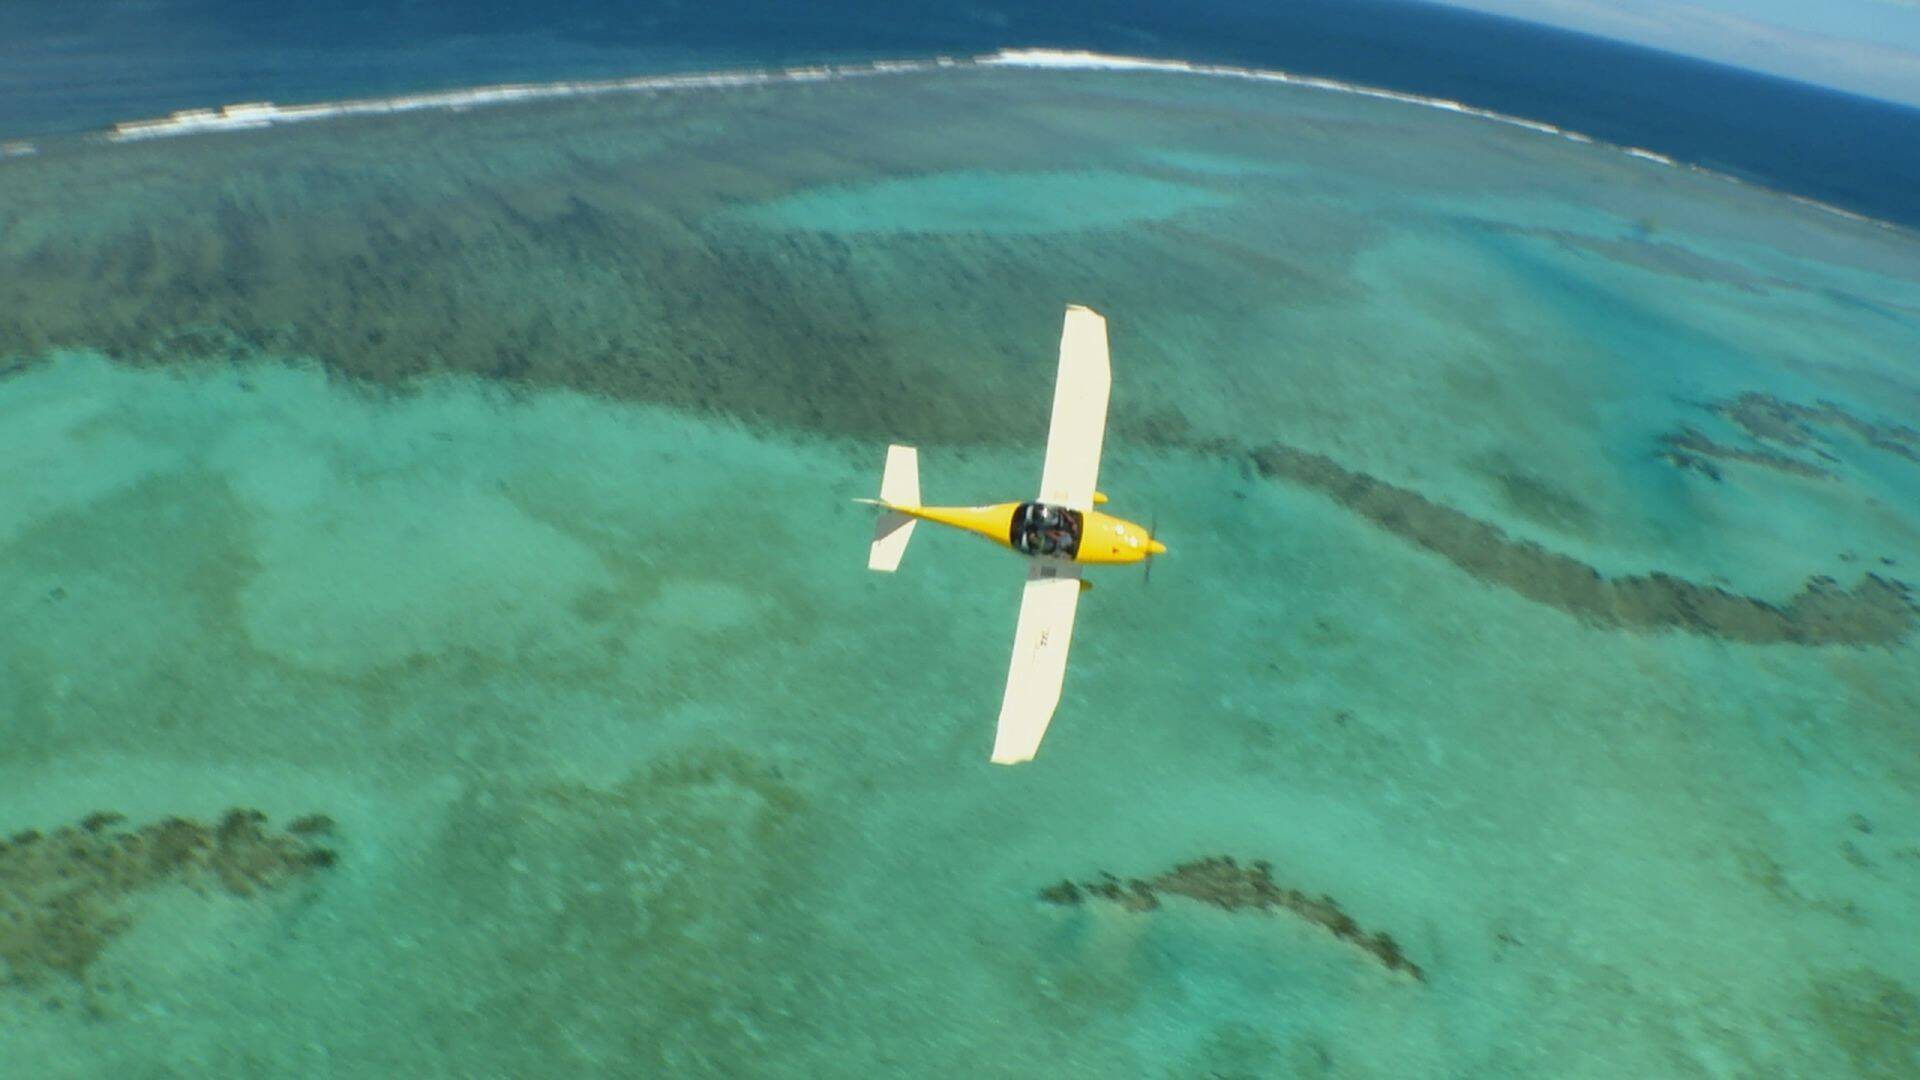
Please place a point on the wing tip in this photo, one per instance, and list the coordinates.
(1013, 751)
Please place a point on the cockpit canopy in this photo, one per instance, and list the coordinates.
(1042, 529)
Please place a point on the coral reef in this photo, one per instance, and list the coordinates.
(671, 295)
(1537, 498)
(65, 895)
(1788, 427)
(358, 255)
(1872, 1018)
(1688, 448)
(1226, 884)
(1645, 250)
(1768, 419)
(1876, 611)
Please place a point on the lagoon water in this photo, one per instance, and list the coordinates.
(1539, 516)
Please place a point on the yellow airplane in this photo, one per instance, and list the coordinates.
(1059, 533)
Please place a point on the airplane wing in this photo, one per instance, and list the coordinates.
(1039, 660)
(1079, 412)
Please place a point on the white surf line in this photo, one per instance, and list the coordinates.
(1060, 59)
(17, 148)
(1069, 60)
(260, 114)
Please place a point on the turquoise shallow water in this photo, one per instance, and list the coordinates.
(482, 483)
(976, 203)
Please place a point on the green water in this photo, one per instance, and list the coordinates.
(975, 203)
(482, 482)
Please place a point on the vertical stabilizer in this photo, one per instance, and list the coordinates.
(900, 484)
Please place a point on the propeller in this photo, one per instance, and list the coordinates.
(1153, 528)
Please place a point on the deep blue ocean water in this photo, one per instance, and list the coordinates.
(67, 67)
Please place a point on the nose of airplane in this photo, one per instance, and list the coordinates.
(1155, 547)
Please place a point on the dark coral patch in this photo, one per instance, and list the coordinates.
(64, 896)
(1769, 419)
(1687, 446)
(1784, 431)
(311, 824)
(1225, 884)
(1875, 611)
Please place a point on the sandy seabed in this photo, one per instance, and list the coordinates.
(436, 641)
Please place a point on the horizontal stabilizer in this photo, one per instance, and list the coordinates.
(890, 536)
(899, 486)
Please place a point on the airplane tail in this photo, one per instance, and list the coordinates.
(899, 486)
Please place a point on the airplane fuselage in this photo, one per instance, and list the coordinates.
(1088, 536)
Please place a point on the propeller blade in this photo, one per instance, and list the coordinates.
(1153, 528)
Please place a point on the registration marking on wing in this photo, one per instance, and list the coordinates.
(1039, 667)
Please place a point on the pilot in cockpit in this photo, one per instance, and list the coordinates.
(1051, 530)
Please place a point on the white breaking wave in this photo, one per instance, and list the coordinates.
(1648, 155)
(1060, 59)
(259, 114)
(1071, 60)
(254, 115)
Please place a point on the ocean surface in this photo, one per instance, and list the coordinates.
(435, 638)
(74, 67)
